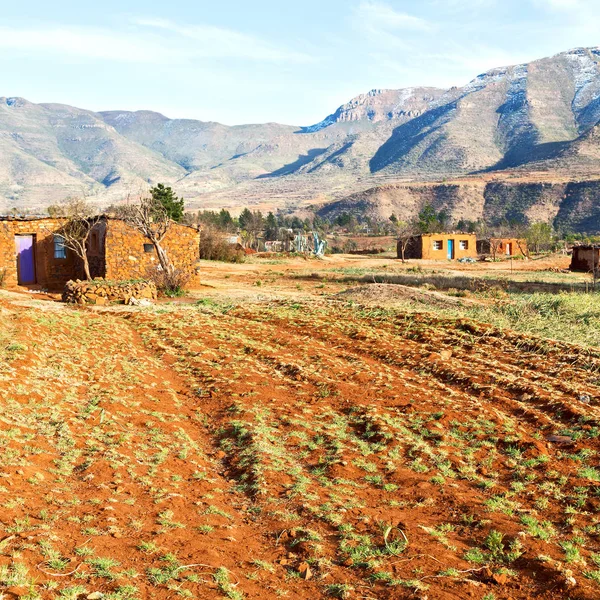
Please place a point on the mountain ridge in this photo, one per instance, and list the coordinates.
(542, 116)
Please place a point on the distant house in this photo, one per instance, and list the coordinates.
(502, 247)
(32, 251)
(274, 246)
(586, 258)
(233, 239)
(441, 246)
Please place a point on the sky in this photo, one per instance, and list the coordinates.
(236, 61)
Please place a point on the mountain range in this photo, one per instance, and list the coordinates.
(525, 124)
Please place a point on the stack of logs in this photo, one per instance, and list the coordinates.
(102, 292)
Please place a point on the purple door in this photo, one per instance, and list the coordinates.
(25, 259)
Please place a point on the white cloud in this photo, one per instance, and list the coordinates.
(575, 21)
(463, 5)
(386, 28)
(219, 42)
(378, 16)
(574, 9)
(451, 64)
(560, 4)
(84, 43)
(157, 41)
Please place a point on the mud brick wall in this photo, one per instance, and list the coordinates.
(126, 257)
(51, 272)
(585, 258)
(423, 246)
(518, 246)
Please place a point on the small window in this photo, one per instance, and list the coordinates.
(438, 245)
(60, 250)
(464, 244)
(148, 247)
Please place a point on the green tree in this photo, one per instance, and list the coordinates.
(541, 236)
(296, 223)
(209, 218)
(320, 224)
(225, 220)
(173, 205)
(343, 219)
(245, 219)
(271, 227)
(252, 223)
(428, 221)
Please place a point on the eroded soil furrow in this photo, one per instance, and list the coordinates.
(403, 437)
(300, 450)
(477, 374)
(112, 445)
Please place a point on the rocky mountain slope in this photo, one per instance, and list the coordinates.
(568, 205)
(50, 151)
(543, 116)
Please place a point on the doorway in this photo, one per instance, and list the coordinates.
(25, 247)
(450, 249)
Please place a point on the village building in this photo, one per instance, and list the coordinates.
(32, 252)
(233, 239)
(441, 246)
(586, 258)
(498, 247)
(274, 246)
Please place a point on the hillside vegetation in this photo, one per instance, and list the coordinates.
(536, 119)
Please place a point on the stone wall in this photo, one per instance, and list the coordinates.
(115, 251)
(96, 250)
(129, 255)
(102, 292)
(50, 272)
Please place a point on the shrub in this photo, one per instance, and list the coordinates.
(169, 283)
(345, 247)
(214, 247)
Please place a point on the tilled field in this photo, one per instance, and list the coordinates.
(294, 450)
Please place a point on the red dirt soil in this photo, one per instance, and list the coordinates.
(310, 449)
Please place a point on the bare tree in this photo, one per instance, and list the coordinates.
(495, 244)
(253, 223)
(80, 218)
(151, 219)
(405, 232)
(518, 231)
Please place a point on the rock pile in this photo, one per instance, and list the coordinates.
(102, 292)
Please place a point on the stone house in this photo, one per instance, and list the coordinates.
(586, 258)
(32, 252)
(503, 247)
(441, 246)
